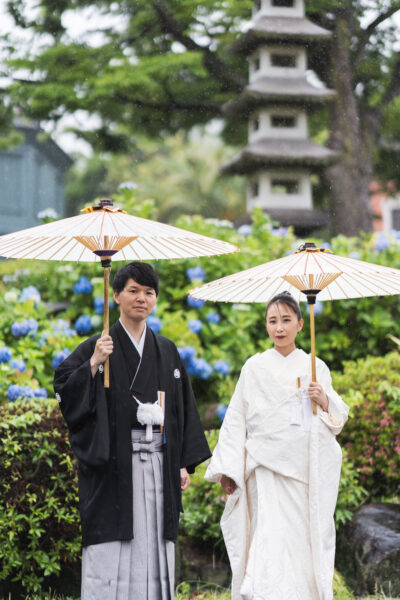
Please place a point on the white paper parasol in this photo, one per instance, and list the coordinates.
(104, 232)
(306, 274)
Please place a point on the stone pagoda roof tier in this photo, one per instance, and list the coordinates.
(293, 30)
(266, 153)
(270, 90)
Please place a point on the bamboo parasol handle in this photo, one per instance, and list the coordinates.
(313, 368)
(106, 327)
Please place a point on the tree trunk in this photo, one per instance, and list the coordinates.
(347, 180)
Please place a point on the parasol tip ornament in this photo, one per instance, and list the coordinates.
(311, 247)
(105, 204)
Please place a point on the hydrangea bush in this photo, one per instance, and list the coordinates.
(47, 308)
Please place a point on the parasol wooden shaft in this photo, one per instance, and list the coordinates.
(313, 369)
(106, 327)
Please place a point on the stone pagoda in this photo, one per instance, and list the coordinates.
(280, 158)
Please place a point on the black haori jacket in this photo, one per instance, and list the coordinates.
(99, 423)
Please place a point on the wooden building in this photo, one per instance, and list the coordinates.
(280, 158)
(31, 180)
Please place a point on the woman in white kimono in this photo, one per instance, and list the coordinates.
(280, 466)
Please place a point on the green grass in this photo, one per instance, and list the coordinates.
(204, 591)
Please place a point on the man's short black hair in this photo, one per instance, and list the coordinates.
(141, 272)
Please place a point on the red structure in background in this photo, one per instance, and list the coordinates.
(385, 206)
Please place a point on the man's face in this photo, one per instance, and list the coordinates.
(135, 301)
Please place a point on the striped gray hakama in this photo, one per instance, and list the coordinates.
(141, 568)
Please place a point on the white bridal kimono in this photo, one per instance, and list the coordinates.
(278, 524)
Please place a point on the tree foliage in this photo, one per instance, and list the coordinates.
(154, 67)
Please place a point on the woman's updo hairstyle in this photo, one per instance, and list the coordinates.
(285, 298)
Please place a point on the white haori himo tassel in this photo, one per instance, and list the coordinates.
(149, 415)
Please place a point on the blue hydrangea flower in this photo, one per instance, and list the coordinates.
(40, 393)
(83, 324)
(13, 392)
(30, 293)
(221, 411)
(199, 367)
(354, 254)
(186, 353)
(60, 357)
(18, 364)
(99, 304)
(19, 391)
(318, 308)
(382, 242)
(213, 317)
(195, 302)
(196, 273)
(23, 328)
(245, 230)
(222, 366)
(195, 325)
(83, 286)
(5, 354)
(154, 323)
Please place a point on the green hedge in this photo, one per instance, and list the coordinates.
(39, 531)
(371, 388)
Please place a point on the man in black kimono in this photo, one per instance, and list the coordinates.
(130, 475)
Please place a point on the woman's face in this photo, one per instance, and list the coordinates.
(282, 326)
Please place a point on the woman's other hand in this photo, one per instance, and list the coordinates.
(185, 479)
(228, 485)
(317, 394)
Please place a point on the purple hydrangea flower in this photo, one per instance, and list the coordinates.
(213, 317)
(245, 230)
(60, 357)
(196, 274)
(222, 366)
(154, 323)
(195, 302)
(5, 354)
(221, 411)
(382, 243)
(83, 286)
(280, 231)
(195, 325)
(83, 324)
(30, 293)
(18, 364)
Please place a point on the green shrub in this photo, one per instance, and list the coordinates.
(371, 388)
(39, 519)
(203, 504)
